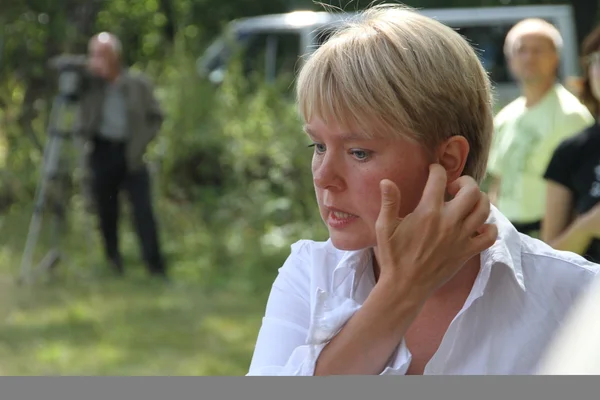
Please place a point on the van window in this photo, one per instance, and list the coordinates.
(288, 53)
(254, 52)
(489, 42)
(271, 54)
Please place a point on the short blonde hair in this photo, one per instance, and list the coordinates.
(395, 72)
(532, 26)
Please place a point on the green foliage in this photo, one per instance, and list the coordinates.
(239, 154)
(270, 197)
(188, 147)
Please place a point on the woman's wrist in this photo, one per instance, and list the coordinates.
(398, 296)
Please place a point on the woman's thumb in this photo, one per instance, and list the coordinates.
(390, 201)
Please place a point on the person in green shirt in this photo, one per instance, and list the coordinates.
(528, 130)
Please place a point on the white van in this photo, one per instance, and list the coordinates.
(272, 45)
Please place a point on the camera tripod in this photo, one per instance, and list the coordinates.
(54, 175)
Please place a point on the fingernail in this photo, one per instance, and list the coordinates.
(384, 188)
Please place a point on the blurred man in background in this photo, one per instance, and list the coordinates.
(530, 128)
(119, 117)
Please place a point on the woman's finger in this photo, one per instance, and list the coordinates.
(434, 193)
(485, 237)
(479, 215)
(466, 197)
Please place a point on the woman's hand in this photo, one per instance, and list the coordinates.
(423, 250)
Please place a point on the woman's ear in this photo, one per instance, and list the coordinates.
(452, 155)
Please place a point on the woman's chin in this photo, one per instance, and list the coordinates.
(349, 243)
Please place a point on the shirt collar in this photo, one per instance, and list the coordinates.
(506, 251)
(507, 248)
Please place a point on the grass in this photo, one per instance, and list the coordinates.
(83, 321)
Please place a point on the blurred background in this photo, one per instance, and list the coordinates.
(230, 168)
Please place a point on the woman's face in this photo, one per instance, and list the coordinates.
(347, 170)
(594, 72)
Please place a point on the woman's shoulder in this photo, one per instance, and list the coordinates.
(315, 263)
(316, 253)
(585, 137)
(588, 138)
(320, 245)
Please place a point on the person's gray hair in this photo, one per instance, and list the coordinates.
(112, 40)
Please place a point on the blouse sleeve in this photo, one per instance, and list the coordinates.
(282, 347)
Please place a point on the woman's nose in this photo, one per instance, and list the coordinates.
(326, 173)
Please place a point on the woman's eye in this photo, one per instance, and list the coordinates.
(360, 154)
(319, 148)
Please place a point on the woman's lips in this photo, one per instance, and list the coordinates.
(339, 219)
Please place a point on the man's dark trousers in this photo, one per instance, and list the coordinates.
(110, 176)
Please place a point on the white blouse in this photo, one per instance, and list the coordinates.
(576, 348)
(519, 299)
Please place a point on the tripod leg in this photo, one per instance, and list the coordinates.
(51, 155)
(34, 230)
(58, 207)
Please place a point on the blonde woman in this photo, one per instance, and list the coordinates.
(420, 274)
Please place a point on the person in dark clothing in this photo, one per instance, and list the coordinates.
(572, 220)
(119, 116)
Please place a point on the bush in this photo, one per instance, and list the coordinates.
(270, 196)
(239, 154)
